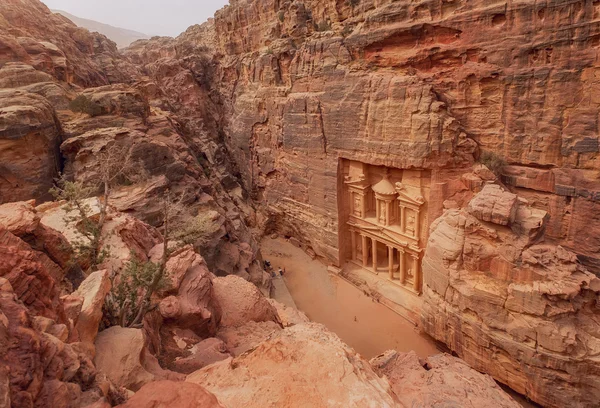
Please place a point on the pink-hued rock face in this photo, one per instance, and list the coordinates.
(92, 291)
(510, 306)
(170, 394)
(439, 379)
(119, 354)
(241, 302)
(304, 365)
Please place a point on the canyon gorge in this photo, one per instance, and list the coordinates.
(441, 156)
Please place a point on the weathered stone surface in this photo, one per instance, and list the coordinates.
(118, 355)
(304, 365)
(193, 304)
(29, 141)
(288, 315)
(170, 394)
(438, 381)
(243, 338)
(493, 204)
(206, 352)
(93, 291)
(516, 309)
(241, 302)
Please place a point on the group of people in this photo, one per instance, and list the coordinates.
(280, 272)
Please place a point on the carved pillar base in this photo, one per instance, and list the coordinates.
(391, 262)
(374, 243)
(402, 267)
(365, 253)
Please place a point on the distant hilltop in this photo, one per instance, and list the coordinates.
(121, 36)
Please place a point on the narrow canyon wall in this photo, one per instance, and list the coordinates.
(438, 86)
(413, 85)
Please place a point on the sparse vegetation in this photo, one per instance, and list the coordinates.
(493, 162)
(131, 296)
(281, 16)
(123, 303)
(347, 30)
(197, 228)
(88, 251)
(84, 104)
(114, 166)
(353, 3)
(323, 26)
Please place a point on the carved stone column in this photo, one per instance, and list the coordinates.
(353, 236)
(417, 225)
(403, 219)
(391, 261)
(388, 215)
(365, 253)
(377, 211)
(417, 273)
(402, 267)
(374, 242)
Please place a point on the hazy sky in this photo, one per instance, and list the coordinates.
(152, 17)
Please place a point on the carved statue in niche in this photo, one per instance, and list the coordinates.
(410, 222)
(382, 212)
(357, 205)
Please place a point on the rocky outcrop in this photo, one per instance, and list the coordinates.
(241, 302)
(91, 293)
(510, 306)
(167, 394)
(396, 83)
(30, 137)
(308, 365)
(439, 379)
(119, 354)
(40, 369)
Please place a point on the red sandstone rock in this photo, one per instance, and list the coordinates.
(92, 291)
(492, 288)
(304, 365)
(241, 302)
(118, 355)
(438, 381)
(169, 394)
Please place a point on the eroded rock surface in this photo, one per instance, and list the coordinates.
(324, 372)
(513, 306)
(438, 380)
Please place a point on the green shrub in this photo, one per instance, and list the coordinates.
(83, 104)
(493, 162)
(197, 228)
(281, 16)
(125, 303)
(353, 3)
(323, 26)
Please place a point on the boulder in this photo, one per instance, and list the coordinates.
(493, 204)
(243, 338)
(193, 304)
(119, 353)
(170, 394)
(288, 316)
(206, 352)
(241, 302)
(304, 365)
(439, 381)
(29, 142)
(93, 291)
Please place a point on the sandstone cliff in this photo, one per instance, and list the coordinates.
(250, 118)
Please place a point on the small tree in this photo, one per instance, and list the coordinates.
(113, 164)
(493, 162)
(88, 250)
(131, 298)
(84, 104)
